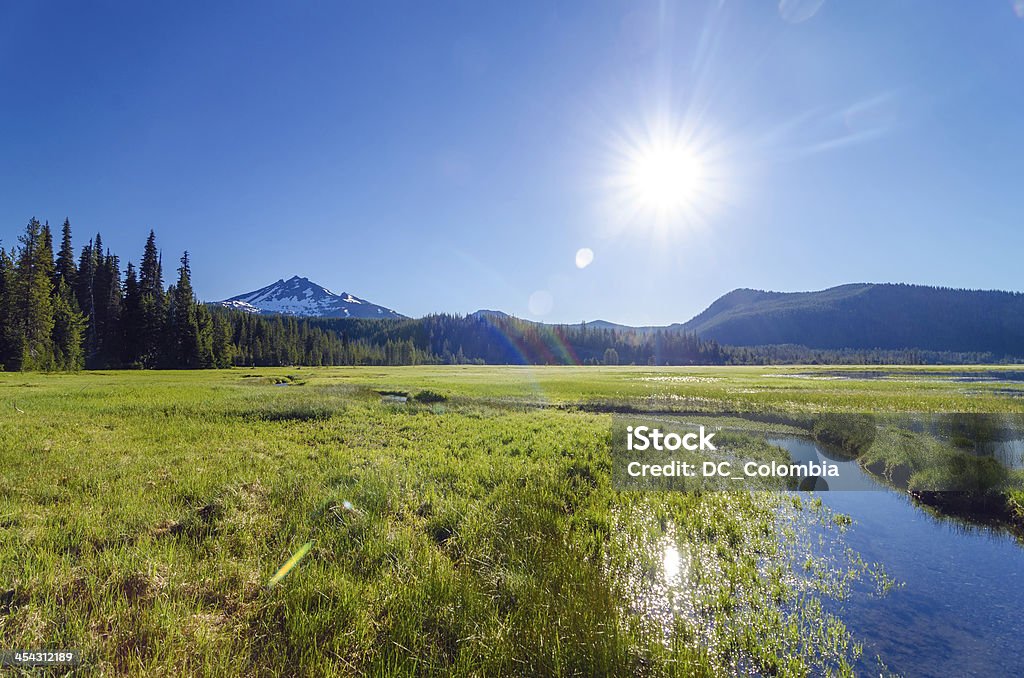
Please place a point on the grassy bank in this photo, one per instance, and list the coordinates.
(953, 476)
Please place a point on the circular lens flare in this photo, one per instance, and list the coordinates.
(584, 257)
(541, 302)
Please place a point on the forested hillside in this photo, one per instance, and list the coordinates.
(869, 316)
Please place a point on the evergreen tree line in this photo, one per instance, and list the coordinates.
(59, 314)
(288, 340)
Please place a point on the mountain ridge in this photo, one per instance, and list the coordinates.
(868, 316)
(859, 316)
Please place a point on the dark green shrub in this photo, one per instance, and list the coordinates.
(429, 397)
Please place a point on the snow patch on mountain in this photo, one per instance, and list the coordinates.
(301, 297)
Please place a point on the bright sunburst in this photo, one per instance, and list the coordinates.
(664, 179)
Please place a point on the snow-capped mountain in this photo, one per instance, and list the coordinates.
(300, 296)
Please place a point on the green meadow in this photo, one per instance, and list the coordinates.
(469, 529)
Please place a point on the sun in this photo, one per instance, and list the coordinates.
(665, 178)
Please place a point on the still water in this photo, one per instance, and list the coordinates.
(968, 376)
(960, 611)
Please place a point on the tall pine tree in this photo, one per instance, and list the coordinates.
(33, 292)
(184, 327)
(65, 269)
(84, 293)
(131, 320)
(152, 306)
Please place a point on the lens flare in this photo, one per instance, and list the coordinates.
(798, 11)
(541, 302)
(584, 257)
(292, 562)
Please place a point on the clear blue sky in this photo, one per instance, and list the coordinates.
(455, 156)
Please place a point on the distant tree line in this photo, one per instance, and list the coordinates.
(288, 340)
(487, 338)
(792, 354)
(59, 312)
(506, 340)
